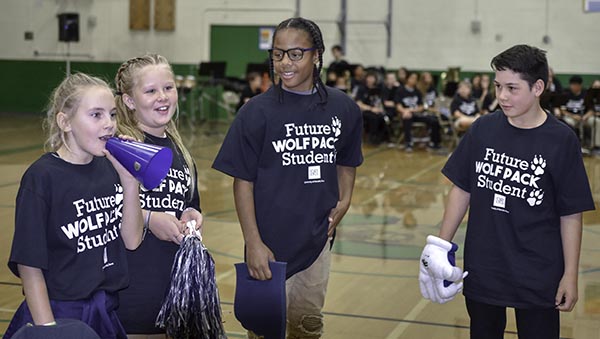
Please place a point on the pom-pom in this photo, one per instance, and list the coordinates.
(192, 308)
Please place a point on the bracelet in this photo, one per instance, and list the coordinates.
(146, 224)
(52, 323)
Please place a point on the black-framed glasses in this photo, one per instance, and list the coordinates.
(295, 54)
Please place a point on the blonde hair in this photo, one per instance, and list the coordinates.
(125, 81)
(66, 98)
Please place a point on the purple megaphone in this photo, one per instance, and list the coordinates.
(149, 164)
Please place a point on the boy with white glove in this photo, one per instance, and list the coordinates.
(520, 173)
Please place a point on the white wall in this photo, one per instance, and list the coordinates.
(425, 34)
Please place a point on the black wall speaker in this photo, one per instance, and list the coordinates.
(68, 27)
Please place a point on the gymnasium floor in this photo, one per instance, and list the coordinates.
(373, 291)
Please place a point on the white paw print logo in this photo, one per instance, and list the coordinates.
(538, 164)
(336, 124)
(535, 198)
(119, 195)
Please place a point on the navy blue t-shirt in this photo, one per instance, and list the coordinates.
(290, 151)
(67, 223)
(521, 182)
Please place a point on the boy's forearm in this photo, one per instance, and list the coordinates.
(346, 177)
(571, 230)
(36, 294)
(456, 208)
(243, 193)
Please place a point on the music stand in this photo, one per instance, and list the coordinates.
(260, 68)
(215, 70)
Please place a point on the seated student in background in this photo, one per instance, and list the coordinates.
(476, 89)
(464, 107)
(401, 74)
(486, 86)
(410, 106)
(490, 102)
(572, 112)
(554, 84)
(369, 100)
(427, 88)
(592, 118)
(252, 88)
(357, 79)
(388, 93)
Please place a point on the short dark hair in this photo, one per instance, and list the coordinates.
(337, 48)
(576, 79)
(528, 61)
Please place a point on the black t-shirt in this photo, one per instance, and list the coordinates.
(246, 93)
(290, 150)
(576, 102)
(408, 97)
(465, 106)
(430, 96)
(490, 103)
(370, 96)
(521, 182)
(389, 94)
(67, 223)
(150, 264)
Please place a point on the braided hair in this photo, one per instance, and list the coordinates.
(316, 37)
(127, 122)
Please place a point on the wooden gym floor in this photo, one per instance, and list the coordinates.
(373, 290)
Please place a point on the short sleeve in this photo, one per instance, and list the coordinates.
(29, 246)
(350, 154)
(454, 105)
(240, 152)
(457, 168)
(573, 194)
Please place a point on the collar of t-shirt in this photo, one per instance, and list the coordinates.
(309, 92)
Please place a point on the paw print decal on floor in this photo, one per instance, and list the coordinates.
(336, 124)
(538, 164)
(535, 198)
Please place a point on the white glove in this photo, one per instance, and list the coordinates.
(436, 261)
(438, 277)
(435, 289)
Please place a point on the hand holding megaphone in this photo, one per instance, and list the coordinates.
(148, 163)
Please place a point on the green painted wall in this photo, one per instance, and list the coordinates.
(236, 45)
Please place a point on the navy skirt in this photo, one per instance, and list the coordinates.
(99, 312)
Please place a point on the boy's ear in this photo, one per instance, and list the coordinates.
(539, 87)
(128, 101)
(62, 120)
